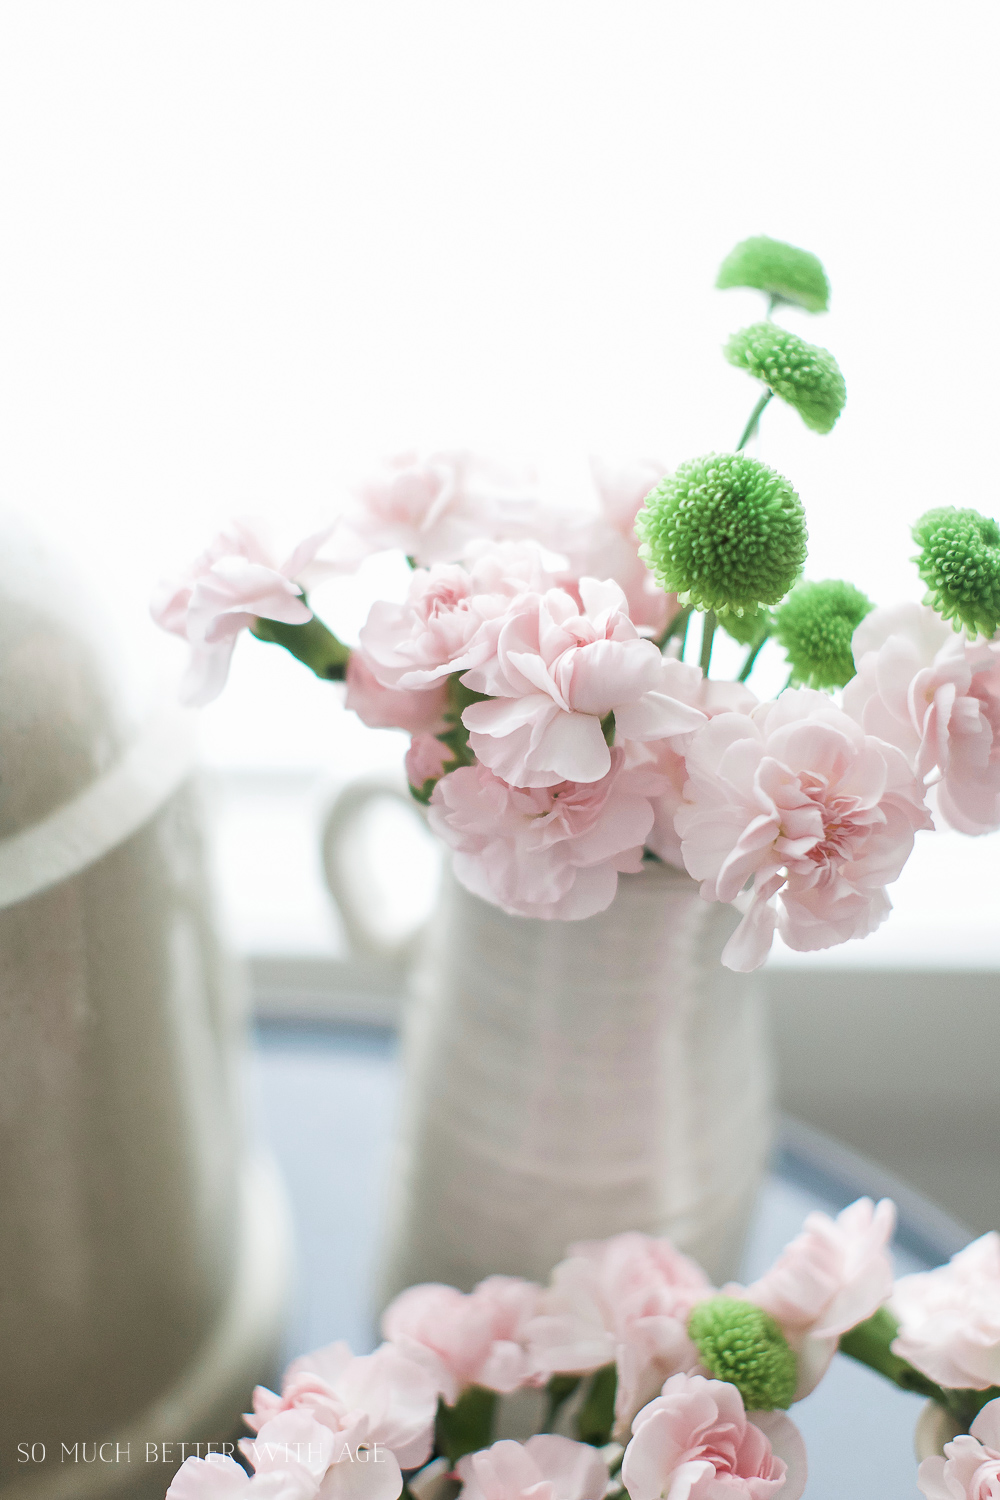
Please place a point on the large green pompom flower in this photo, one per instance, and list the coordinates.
(960, 564)
(749, 628)
(815, 625)
(804, 375)
(724, 532)
(741, 1343)
(783, 271)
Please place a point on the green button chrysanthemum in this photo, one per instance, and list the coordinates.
(749, 628)
(743, 1344)
(804, 375)
(725, 533)
(960, 563)
(783, 271)
(815, 625)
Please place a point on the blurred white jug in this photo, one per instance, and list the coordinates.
(563, 1081)
(143, 1250)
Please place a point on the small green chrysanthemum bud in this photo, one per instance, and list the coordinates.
(960, 564)
(815, 625)
(743, 1344)
(783, 271)
(804, 375)
(724, 532)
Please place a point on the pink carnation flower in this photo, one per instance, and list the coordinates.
(546, 1467)
(415, 709)
(451, 617)
(606, 546)
(625, 1300)
(426, 760)
(553, 852)
(291, 1457)
(949, 1319)
(233, 583)
(831, 1277)
(383, 1398)
(432, 506)
(970, 1469)
(929, 691)
(666, 757)
(820, 816)
(556, 675)
(466, 1338)
(696, 1442)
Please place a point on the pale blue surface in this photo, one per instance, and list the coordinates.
(325, 1099)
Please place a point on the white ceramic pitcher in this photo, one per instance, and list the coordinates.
(143, 1249)
(569, 1080)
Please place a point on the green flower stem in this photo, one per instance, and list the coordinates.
(313, 645)
(752, 656)
(754, 421)
(869, 1343)
(678, 626)
(707, 636)
(559, 1389)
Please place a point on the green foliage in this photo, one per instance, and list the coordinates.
(783, 271)
(741, 1343)
(468, 1425)
(959, 561)
(804, 375)
(725, 532)
(815, 625)
(597, 1414)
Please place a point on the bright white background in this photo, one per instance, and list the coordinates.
(246, 247)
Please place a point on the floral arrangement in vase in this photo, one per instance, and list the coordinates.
(560, 734)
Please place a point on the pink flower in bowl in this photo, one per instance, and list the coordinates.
(696, 1442)
(385, 1398)
(970, 1467)
(949, 1318)
(832, 1276)
(466, 1338)
(291, 1462)
(625, 1300)
(546, 1467)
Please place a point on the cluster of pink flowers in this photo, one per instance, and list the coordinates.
(345, 1427)
(559, 746)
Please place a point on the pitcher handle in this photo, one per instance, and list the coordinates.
(348, 893)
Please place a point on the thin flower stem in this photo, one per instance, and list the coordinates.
(315, 646)
(752, 424)
(707, 635)
(677, 626)
(684, 634)
(752, 656)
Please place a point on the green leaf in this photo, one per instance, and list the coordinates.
(468, 1425)
(597, 1414)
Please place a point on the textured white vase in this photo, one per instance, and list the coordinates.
(571, 1080)
(143, 1250)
